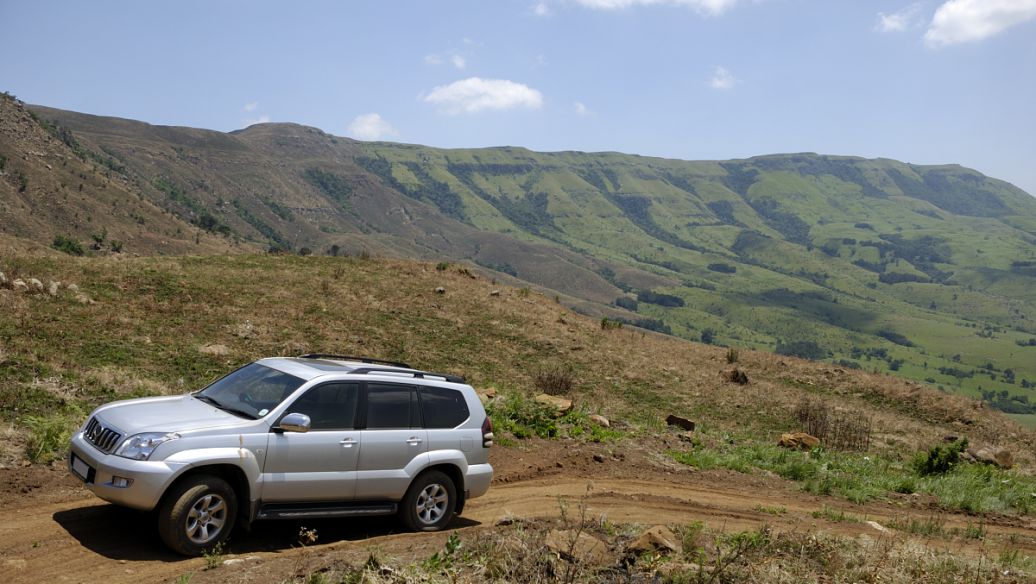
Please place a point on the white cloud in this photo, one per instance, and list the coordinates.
(900, 20)
(432, 60)
(370, 127)
(541, 9)
(712, 7)
(961, 21)
(581, 108)
(459, 61)
(722, 79)
(263, 119)
(250, 106)
(475, 94)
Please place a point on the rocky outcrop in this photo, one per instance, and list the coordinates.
(798, 440)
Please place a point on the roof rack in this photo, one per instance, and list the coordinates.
(413, 372)
(357, 359)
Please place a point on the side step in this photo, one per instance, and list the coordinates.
(319, 510)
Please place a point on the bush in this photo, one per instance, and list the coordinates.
(940, 459)
(723, 268)
(660, 299)
(442, 266)
(608, 324)
(49, 435)
(68, 245)
(554, 379)
(708, 336)
(733, 355)
(803, 349)
(627, 303)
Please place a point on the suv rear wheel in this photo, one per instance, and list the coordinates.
(197, 514)
(429, 502)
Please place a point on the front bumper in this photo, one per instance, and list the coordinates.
(149, 479)
(477, 480)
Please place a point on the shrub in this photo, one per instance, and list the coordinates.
(68, 245)
(733, 355)
(442, 266)
(722, 268)
(627, 303)
(608, 324)
(49, 434)
(841, 430)
(803, 349)
(660, 299)
(554, 378)
(708, 336)
(940, 459)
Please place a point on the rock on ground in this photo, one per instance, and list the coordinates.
(561, 405)
(600, 420)
(20, 286)
(36, 285)
(655, 539)
(680, 422)
(799, 440)
(578, 547)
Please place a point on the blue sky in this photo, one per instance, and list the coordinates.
(939, 81)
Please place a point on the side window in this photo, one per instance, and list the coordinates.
(391, 406)
(442, 407)
(331, 406)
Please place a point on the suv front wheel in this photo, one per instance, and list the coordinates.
(429, 502)
(197, 515)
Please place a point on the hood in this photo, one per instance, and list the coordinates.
(180, 413)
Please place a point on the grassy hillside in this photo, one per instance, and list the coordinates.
(156, 325)
(925, 272)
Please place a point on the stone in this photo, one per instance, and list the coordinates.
(233, 561)
(598, 457)
(36, 285)
(3, 280)
(1000, 457)
(83, 299)
(799, 440)
(578, 547)
(53, 287)
(878, 526)
(73, 288)
(440, 290)
(680, 422)
(560, 405)
(655, 539)
(736, 375)
(600, 420)
(214, 349)
(494, 293)
(19, 286)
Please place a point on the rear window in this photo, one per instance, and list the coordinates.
(391, 406)
(442, 407)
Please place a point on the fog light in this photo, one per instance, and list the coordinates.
(121, 482)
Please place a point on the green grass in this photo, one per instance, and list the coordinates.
(858, 478)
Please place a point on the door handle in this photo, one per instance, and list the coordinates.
(348, 442)
(414, 441)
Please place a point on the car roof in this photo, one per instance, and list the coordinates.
(310, 368)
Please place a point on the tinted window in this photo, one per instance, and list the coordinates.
(391, 406)
(443, 408)
(254, 388)
(331, 406)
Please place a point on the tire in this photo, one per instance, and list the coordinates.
(197, 514)
(429, 502)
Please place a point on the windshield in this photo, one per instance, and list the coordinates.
(251, 391)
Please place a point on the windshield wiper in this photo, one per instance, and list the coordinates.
(225, 407)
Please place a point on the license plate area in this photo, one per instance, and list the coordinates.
(81, 469)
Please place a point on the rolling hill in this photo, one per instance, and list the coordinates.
(923, 271)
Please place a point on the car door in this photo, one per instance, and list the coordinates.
(391, 440)
(319, 465)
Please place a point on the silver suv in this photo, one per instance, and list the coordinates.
(291, 438)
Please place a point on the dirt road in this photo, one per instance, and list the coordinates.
(64, 534)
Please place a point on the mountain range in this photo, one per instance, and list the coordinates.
(925, 272)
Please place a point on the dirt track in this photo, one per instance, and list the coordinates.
(61, 533)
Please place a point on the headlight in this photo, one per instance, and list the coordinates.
(140, 446)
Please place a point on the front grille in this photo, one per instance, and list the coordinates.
(101, 436)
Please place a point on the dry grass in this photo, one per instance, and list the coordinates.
(152, 314)
(840, 429)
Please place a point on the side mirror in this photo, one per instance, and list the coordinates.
(295, 423)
